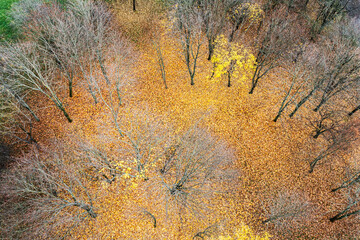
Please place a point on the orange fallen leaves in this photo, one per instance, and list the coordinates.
(267, 153)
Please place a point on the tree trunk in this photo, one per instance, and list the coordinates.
(277, 117)
(70, 89)
(281, 109)
(354, 111)
(89, 210)
(305, 4)
(65, 113)
(187, 57)
(315, 161)
(302, 102)
(348, 183)
(31, 112)
(252, 89)
(229, 79)
(323, 100)
(341, 215)
(211, 49)
(25, 105)
(254, 80)
(164, 79)
(29, 134)
(317, 134)
(230, 71)
(134, 5)
(231, 36)
(271, 219)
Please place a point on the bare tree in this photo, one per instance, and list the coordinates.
(296, 84)
(51, 190)
(334, 65)
(286, 207)
(272, 45)
(328, 11)
(101, 165)
(188, 24)
(353, 179)
(352, 206)
(21, 12)
(326, 121)
(45, 26)
(354, 99)
(315, 68)
(30, 70)
(104, 58)
(338, 140)
(132, 155)
(16, 116)
(287, 212)
(344, 67)
(214, 18)
(349, 190)
(84, 44)
(16, 121)
(161, 63)
(242, 17)
(190, 171)
(107, 85)
(72, 35)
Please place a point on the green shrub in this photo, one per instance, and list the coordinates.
(6, 30)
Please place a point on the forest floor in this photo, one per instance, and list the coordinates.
(272, 159)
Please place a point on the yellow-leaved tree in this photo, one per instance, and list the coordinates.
(232, 60)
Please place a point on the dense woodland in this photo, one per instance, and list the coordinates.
(179, 119)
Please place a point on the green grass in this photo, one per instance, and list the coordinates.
(6, 31)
